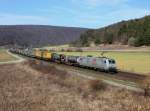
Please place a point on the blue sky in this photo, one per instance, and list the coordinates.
(74, 13)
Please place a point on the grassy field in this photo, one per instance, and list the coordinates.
(4, 56)
(137, 62)
(57, 47)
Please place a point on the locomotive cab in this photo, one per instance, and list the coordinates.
(111, 65)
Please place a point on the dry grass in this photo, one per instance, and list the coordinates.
(146, 85)
(31, 87)
(96, 85)
(5, 57)
(47, 69)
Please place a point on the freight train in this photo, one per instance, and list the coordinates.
(95, 63)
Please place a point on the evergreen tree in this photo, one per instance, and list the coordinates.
(97, 41)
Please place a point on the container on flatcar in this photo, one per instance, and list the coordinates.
(25, 52)
(47, 55)
(62, 58)
(72, 60)
(30, 53)
(56, 57)
(38, 53)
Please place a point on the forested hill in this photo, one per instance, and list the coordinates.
(38, 35)
(133, 32)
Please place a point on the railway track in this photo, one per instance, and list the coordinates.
(126, 80)
(131, 75)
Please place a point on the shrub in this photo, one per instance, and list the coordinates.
(131, 41)
(139, 41)
(47, 69)
(97, 41)
(96, 85)
(62, 50)
(69, 50)
(146, 85)
(79, 50)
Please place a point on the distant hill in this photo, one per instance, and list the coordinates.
(133, 32)
(38, 35)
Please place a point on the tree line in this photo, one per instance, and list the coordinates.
(133, 32)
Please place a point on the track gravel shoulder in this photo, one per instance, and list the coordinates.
(110, 82)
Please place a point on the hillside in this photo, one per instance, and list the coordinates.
(133, 32)
(38, 35)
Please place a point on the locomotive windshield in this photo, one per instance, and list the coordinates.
(111, 61)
